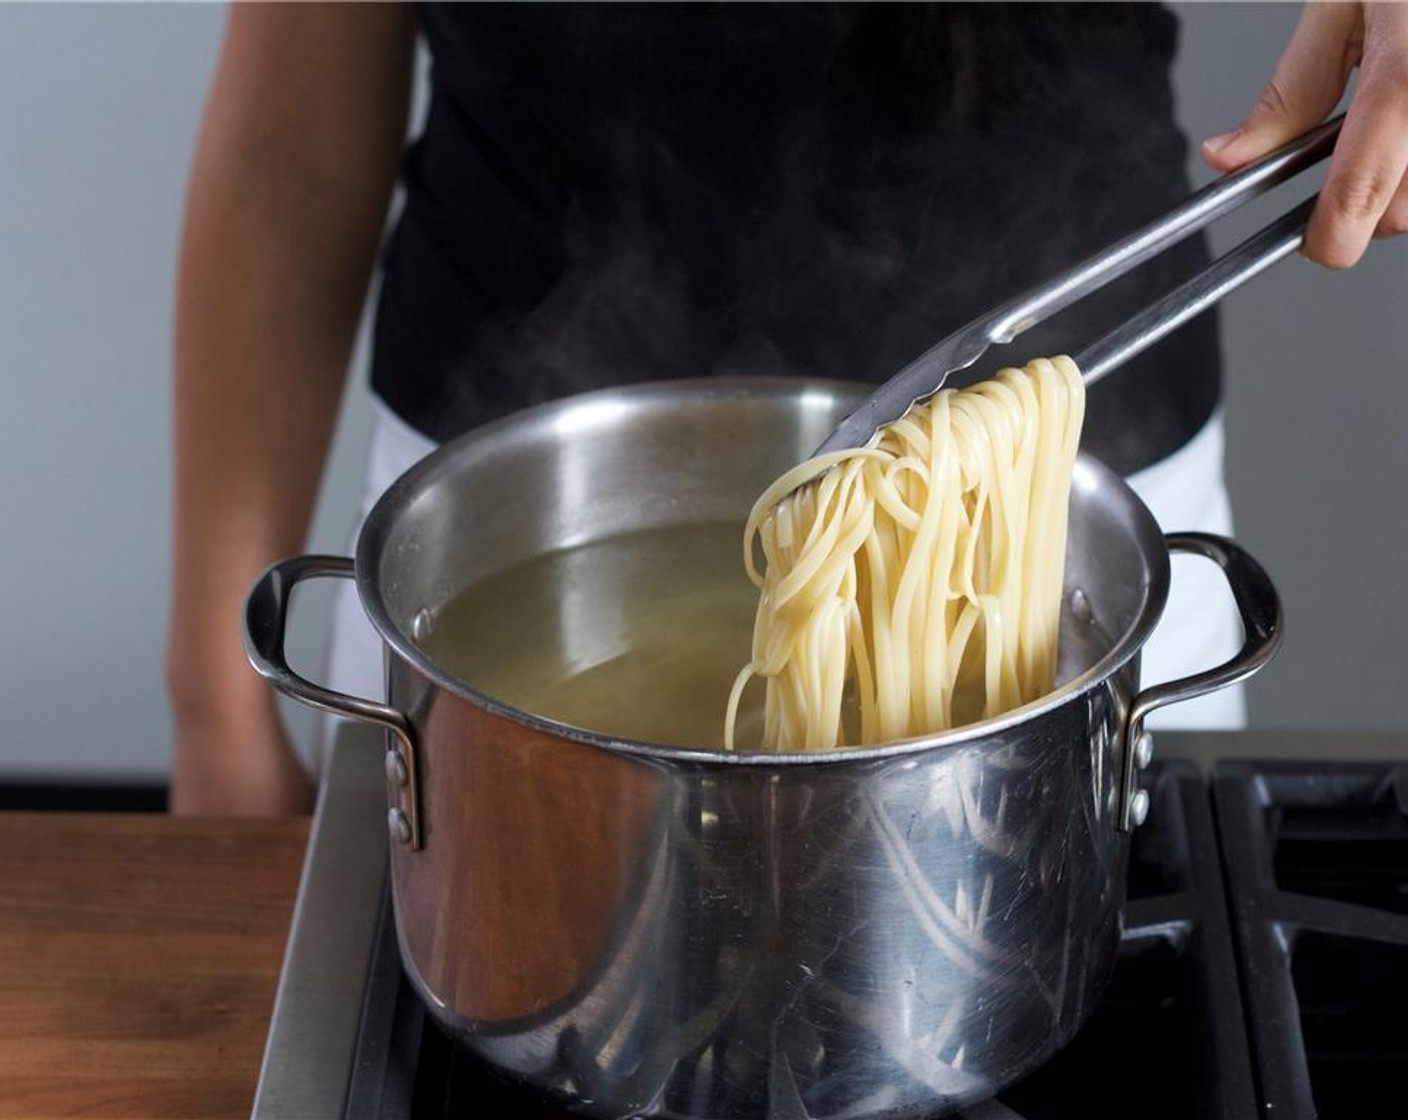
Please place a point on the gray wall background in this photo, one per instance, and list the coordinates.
(98, 114)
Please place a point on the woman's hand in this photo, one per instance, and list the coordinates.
(237, 763)
(1366, 193)
(297, 158)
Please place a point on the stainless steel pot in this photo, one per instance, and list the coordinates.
(642, 931)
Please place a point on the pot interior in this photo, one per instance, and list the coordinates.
(682, 457)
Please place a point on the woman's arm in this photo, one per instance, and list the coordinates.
(1366, 192)
(295, 165)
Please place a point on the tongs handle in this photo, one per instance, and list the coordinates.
(1198, 210)
(926, 374)
(1196, 294)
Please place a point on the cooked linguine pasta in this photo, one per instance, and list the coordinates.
(915, 585)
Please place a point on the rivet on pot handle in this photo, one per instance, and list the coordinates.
(265, 619)
(1260, 609)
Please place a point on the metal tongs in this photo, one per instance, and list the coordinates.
(926, 375)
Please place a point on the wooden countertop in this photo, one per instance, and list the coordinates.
(139, 956)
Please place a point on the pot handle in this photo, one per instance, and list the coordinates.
(1260, 609)
(265, 621)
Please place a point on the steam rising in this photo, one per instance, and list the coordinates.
(819, 190)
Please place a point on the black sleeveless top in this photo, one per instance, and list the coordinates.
(619, 193)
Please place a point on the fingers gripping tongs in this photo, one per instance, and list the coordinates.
(926, 374)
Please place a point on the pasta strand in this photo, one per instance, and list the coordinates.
(915, 585)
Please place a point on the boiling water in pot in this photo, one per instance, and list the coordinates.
(638, 636)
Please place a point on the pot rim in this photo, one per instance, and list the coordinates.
(402, 493)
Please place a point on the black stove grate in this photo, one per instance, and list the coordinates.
(1167, 1040)
(1166, 1043)
(1316, 857)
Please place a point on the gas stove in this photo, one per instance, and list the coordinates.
(1262, 971)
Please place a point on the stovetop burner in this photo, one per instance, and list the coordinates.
(1316, 858)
